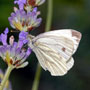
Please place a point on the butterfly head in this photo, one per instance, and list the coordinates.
(31, 37)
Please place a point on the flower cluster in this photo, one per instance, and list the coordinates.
(24, 19)
(14, 53)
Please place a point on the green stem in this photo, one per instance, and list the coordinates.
(48, 26)
(49, 16)
(2, 85)
(37, 78)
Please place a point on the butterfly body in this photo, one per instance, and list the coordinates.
(54, 50)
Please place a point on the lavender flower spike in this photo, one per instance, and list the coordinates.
(15, 53)
(23, 21)
(20, 3)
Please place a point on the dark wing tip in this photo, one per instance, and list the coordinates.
(76, 34)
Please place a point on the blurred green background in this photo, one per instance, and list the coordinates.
(71, 14)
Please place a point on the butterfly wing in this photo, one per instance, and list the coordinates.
(54, 50)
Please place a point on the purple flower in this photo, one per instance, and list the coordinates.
(15, 53)
(25, 21)
(20, 3)
(23, 35)
(3, 37)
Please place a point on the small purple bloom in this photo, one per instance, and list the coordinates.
(23, 35)
(20, 43)
(35, 9)
(28, 52)
(15, 51)
(6, 31)
(25, 41)
(20, 3)
(3, 37)
(22, 38)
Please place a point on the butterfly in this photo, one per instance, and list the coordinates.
(54, 50)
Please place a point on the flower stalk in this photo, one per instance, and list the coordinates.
(47, 28)
(7, 74)
(37, 78)
(49, 16)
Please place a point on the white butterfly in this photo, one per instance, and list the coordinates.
(54, 50)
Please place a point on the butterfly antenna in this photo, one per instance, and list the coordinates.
(14, 31)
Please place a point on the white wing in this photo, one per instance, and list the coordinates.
(54, 50)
